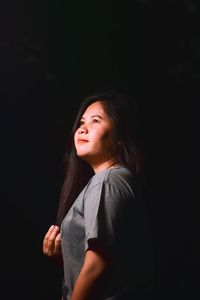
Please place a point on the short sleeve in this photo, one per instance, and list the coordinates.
(106, 209)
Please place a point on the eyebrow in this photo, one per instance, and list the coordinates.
(93, 116)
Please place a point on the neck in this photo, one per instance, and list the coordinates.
(105, 165)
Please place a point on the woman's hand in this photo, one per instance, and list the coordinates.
(52, 242)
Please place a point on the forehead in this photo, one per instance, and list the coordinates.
(96, 108)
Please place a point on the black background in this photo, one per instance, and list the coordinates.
(52, 55)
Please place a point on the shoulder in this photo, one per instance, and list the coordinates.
(119, 178)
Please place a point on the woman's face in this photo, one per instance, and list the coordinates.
(94, 137)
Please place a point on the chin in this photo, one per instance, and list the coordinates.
(82, 155)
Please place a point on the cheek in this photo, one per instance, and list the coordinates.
(98, 135)
(106, 139)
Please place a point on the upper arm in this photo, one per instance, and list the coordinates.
(106, 211)
(91, 279)
(97, 259)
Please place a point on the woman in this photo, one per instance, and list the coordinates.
(101, 231)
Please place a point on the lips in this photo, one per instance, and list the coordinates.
(82, 141)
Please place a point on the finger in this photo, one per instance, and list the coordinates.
(46, 237)
(50, 230)
(49, 240)
(57, 248)
(53, 228)
(49, 235)
(53, 241)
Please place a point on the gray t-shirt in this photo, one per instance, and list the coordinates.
(108, 210)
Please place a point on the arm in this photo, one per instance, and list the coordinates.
(90, 280)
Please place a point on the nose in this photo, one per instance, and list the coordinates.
(82, 129)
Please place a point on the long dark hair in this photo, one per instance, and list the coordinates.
(77, 171)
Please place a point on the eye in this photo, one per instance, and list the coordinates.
(81, 123)
(95, 121)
